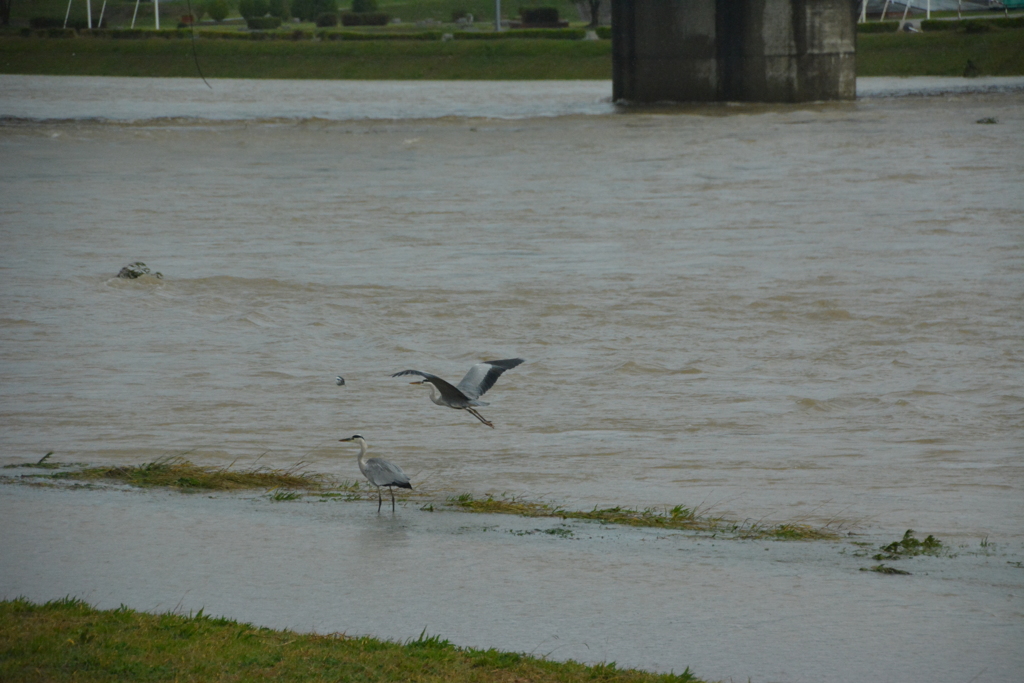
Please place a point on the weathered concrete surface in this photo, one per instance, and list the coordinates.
(739, 50)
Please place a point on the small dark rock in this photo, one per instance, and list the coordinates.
(137, 269)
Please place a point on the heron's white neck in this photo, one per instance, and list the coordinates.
(435, 395)
(362, 452)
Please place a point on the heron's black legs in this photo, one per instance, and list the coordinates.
(480, 417)
(380, 500)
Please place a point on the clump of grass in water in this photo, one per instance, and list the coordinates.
(175, 472)
(909, 546)
(679, 517)
(45, 642)
(883, 569)
(43, 463)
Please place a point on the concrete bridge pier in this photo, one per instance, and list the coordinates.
(733, 50)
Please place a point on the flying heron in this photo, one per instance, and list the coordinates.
(465, 396)
(380, 472)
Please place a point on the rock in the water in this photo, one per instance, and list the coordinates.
(137, 269)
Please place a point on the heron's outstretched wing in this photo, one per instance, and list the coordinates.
(482, 376)
(448, 392)
(383, 473)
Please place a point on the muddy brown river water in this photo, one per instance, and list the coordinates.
(779, 313)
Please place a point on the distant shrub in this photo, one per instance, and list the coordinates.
(309, 10)
(327, 20)
(364, 6)
(604, 32)
(935, 25)
(263, 23)
(879, 27)
(365, 19)
(539, 15)
(973, 25)
(460, 13)
(128, 33)
(977, 26)
(1009, 22)
(53, 22)
(218, 10)
(45, 22)
(530, 33)
(280, 9)
(354, 35)
(250, 9)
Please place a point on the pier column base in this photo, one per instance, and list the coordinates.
(733, 50)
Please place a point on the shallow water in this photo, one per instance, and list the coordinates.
(807, 313)
(730, 610)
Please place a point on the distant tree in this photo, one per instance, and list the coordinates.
(309, 10)
(279, 8)
(218, 10)
(595, 13)
(253, 9)
(5, 12)
(364, 5)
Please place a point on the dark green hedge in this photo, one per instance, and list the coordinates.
(538, 15)
(271, 32)
(355, 35)
(365, 19)
(553, 33)
(972, 25)
(879, 27)
(263, 23)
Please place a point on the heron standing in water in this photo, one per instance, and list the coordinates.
(380, 472)
(465, 396)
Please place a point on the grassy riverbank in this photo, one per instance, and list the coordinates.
(521, 59)
(946, 53)
(68, 640)
(993, 53)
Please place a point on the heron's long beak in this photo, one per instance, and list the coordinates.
(422, 381)
(349, 439)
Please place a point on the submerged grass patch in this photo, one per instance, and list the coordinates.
(179, 473)
(884, 569)
(69, 640)
(291, 485)
(679, 517)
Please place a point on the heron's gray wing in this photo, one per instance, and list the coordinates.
(448, 392)
(380, 472)
(482, 376)
(415, 372)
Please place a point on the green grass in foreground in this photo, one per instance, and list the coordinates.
(67, 640)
